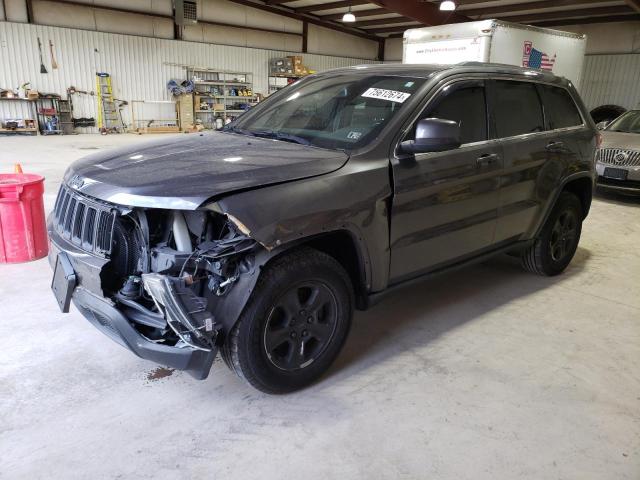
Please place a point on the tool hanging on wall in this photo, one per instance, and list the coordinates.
(109, 115)
(54, 64)
(42, 67)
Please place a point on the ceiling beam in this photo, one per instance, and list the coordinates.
(332, 5)
(581, 12)
(399, 28)
(382, 21)
(635, 4)
(287, 12)
(357, 13)
(583, 21)
(519, 7)
(424, 12)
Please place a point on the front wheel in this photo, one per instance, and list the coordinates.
(295, 323)
(557, 242)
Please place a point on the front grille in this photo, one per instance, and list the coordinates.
(619, 157)
(84, 222)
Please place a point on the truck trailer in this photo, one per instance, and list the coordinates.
(496, 41)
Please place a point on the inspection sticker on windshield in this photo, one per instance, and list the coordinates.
(384, 94)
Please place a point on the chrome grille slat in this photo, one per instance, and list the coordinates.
(86, 222)
(608, 155)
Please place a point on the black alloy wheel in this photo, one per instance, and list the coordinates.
(563, 235)
(301, 325)
(556, 244)
(295, 323)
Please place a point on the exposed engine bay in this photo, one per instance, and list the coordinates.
(169, 270)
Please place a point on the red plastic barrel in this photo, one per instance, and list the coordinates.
(23, 233)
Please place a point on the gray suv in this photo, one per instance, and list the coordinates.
(260, 240)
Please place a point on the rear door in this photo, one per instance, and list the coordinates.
(445, 203)
(537, 150)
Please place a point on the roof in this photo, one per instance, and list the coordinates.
(426, 70)
(390, 18)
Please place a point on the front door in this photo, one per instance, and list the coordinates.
(445, 203)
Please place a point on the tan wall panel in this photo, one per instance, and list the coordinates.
(393, 50)
(331, 42)
(224, 11)
(16, 10)
(71, 16)
(618, 37)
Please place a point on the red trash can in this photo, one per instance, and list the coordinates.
(23, 232)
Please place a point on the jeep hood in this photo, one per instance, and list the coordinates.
(183, 173)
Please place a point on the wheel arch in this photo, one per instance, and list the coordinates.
(580, 184)
(581, 187)
(345, 247)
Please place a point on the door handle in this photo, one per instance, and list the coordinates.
(487, 159)
(553, 145)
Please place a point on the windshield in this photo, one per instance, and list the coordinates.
(337, 112)
(628, 122)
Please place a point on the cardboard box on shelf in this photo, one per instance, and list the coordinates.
(32, 94)
(218, 107)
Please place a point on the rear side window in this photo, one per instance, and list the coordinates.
(467, 106)
(559, 108)
(517, 108)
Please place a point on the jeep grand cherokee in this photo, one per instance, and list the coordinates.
(260, 240)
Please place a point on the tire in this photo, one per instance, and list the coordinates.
(294, 325)
(555, 246)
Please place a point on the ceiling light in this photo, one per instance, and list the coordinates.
(349, 17)
(447, 6)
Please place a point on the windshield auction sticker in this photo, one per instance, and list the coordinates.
(384, 94)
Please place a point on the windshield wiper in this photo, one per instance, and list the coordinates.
(285, 137)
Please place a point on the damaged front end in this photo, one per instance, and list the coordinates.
(171, 284)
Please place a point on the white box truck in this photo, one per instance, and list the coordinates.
(496, 41)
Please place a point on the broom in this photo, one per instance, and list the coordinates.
(42, 68)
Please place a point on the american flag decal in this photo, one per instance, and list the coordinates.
(533, 58)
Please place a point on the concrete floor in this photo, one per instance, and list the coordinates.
(487, 373)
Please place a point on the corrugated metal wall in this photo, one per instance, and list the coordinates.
(611, 79)
(140, 67)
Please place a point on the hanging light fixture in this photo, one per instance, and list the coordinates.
(447, 6)
(349, 17)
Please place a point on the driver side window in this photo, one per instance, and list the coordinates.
(465, 105)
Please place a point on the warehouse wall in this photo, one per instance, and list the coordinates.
(140, 67)
(330, 42)
(611, 80)
(285, 33)
(611, 72)
(393, 50)
(617, 37)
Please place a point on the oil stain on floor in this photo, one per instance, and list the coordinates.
(159, 373)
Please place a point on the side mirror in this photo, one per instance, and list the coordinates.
(433, 135)
(602, 125)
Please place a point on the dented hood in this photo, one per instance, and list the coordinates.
(182, 173)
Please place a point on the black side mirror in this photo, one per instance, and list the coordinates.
(433, 135)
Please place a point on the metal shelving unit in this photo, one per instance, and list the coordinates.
(32, 130)
(226, 94)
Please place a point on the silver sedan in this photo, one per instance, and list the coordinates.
(618, 158)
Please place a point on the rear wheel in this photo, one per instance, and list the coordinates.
(295, 323)
(557, 242)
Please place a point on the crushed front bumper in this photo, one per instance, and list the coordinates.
(110, 321)
(104, 315)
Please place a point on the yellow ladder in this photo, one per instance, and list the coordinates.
(108, 112)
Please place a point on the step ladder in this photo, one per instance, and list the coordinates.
(109, 119)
